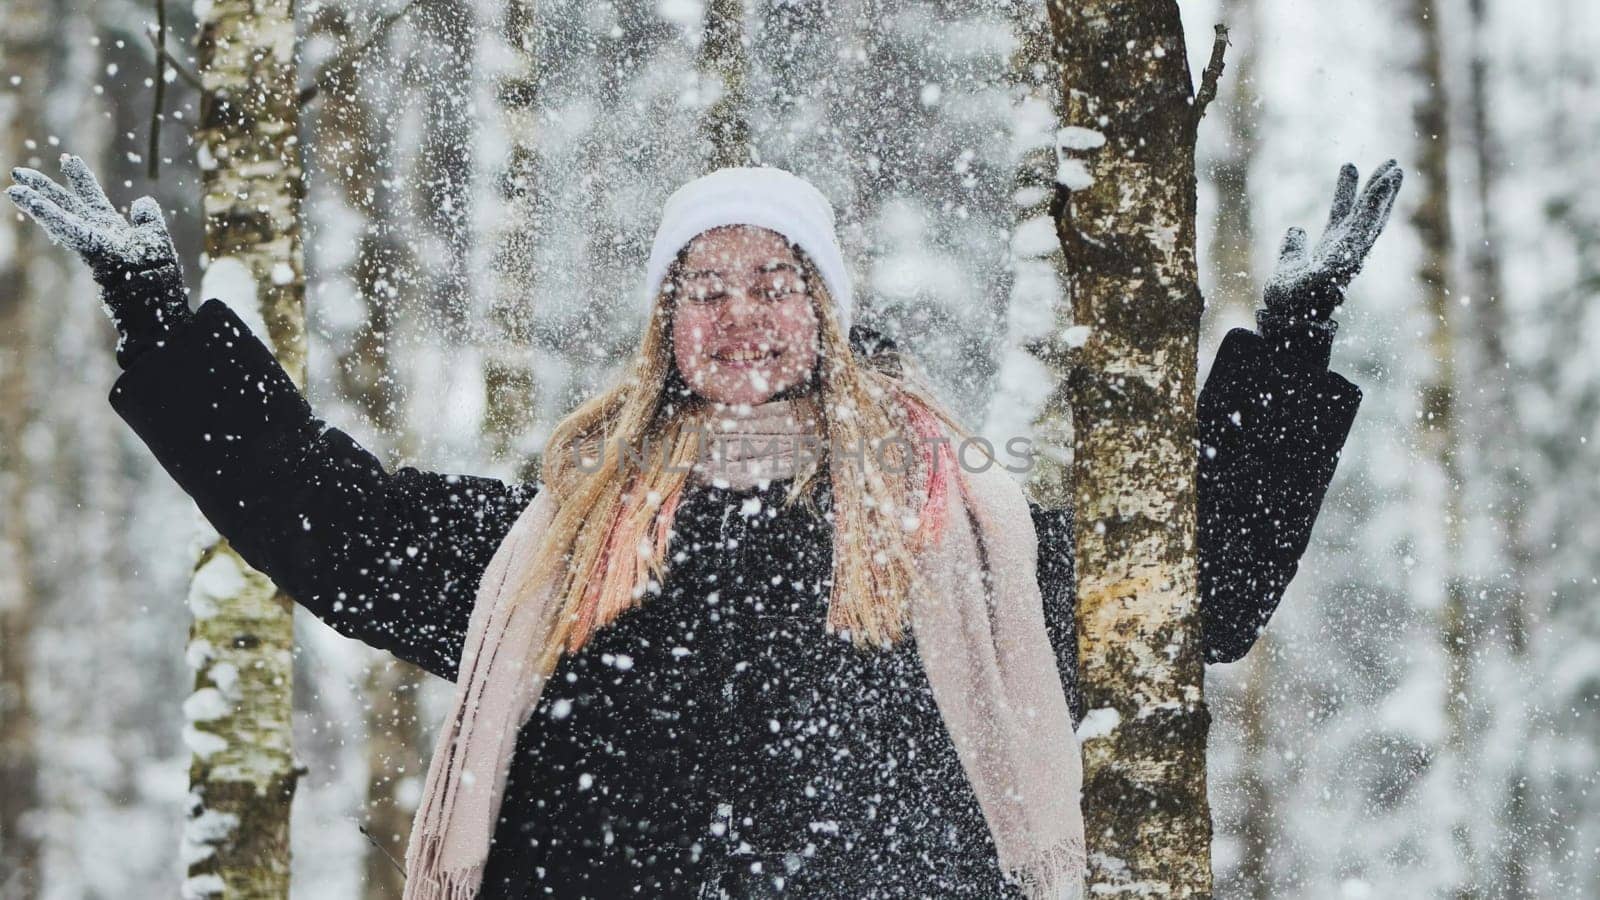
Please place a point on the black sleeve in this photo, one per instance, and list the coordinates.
(391, 559)
(1271, 430)
(1053, 527)
(1270, 435)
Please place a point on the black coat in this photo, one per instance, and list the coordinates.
(723, 697)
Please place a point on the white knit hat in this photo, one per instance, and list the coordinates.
(765, 196)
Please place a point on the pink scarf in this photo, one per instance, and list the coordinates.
(980, 634)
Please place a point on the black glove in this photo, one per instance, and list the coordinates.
(1309, 284)
(132, 259)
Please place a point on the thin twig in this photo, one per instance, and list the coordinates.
(325, 74)
(184, 72)
(398, 868)
(1212, 74)
(160, 39)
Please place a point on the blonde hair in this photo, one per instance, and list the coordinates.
(606, 562)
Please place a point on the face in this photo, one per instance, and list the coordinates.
(744, 327)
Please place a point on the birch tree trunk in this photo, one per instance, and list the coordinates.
(243, 773)
(1231, 243)
(1490, 325)
(509, 379)
(24, 58)
(1233, 302)
(1126, 220)
(1258, 826)
(443, 179)
(370, 377)
(724, 71)
(621, 41)
(1440, 428)
(356, 147)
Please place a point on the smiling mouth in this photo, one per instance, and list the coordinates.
(745, 357)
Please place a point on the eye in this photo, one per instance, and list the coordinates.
(782, 286)
(701, 289)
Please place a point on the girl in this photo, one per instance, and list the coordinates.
(759, 629)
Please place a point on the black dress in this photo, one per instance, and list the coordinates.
(716, 728)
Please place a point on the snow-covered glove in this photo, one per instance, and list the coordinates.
(1309, 282)
(132, 259)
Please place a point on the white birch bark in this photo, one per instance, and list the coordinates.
(1126, 221)
(242, 774)
(724, 74)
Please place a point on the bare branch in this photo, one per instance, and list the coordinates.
(386, 855)
(153, 170)
(1212, 74)
(184, 72)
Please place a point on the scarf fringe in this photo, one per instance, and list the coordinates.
(427, 881)
(1053, 873)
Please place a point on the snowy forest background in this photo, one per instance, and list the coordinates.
(476, 202)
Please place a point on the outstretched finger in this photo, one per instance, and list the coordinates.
(86, 186)
(1376, 202)
(63, 227)
(1378, 194)
(145, 211)
(1378, 175)
(1344, 194)
(1293, 249)
(1389, 190)
(55, 193)
(1368, 222)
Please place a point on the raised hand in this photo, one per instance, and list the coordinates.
(1309, 282)
(132, 259)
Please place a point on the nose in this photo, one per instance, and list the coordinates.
(742, 309)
